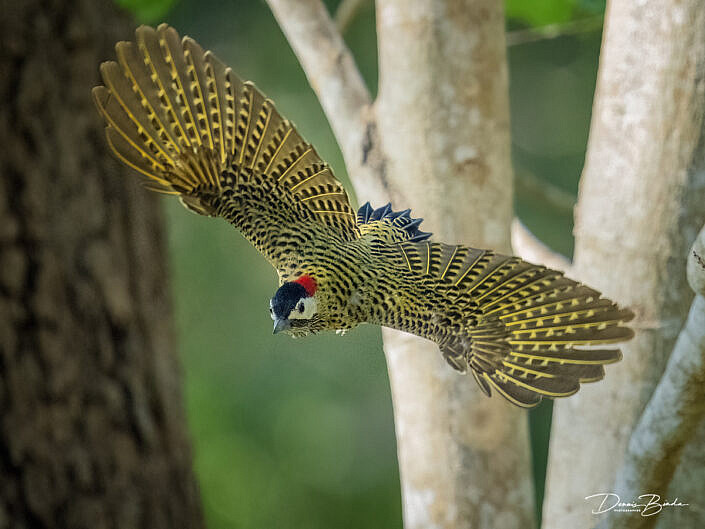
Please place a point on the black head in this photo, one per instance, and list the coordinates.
(291, 306)
(286, 298)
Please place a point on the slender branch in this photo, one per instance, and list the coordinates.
(527, 246)
(552, 31)
(349, 9)
(334, 76)
(674, 411)
(538, 188)
(347, 12)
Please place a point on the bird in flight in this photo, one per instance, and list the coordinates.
(190, 127)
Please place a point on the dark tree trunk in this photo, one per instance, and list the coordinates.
(92, 427)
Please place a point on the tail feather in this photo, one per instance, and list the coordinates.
(545, 385)
(581, 372)
(572, 356)
(514, 393)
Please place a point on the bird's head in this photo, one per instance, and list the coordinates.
(293, 307)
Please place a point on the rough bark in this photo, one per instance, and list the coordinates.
(92, 429)
(640, 206)
(436, 140)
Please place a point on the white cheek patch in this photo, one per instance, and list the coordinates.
(271, 310)
(309, 309)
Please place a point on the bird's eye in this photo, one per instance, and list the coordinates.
(301, 307)
(271, 310)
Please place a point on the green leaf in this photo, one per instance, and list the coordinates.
(147, 11)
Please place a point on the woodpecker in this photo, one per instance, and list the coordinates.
(190, 127)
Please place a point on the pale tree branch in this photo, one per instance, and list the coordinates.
(341, 90)
(527, 246)
(672, 415)
(443, 119)
(639, 209)
(541, 190)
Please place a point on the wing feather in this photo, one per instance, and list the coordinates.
(524, 330)
(183, 120)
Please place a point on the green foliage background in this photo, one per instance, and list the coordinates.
(299, 433)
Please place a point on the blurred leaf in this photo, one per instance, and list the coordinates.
(147, 11)
(593, 6)
(541, 12)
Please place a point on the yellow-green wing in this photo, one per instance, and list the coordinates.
(180, 118)
(522, 329)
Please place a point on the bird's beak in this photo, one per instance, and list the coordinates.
(281, 324)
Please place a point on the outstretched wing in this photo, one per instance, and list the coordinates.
(519, 328)
(189, 126)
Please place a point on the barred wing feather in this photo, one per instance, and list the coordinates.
(526, 331)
